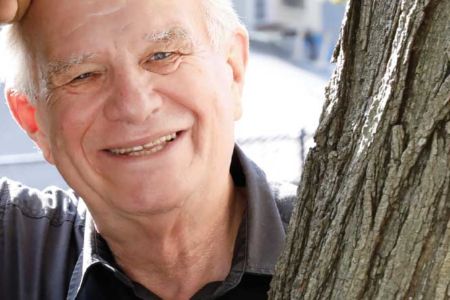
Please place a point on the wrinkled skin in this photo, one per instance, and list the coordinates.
(130, 99)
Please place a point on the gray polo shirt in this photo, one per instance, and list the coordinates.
(49, 249)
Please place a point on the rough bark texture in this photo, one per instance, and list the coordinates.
(373, 217)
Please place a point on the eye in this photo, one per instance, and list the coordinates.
(83, 76)
(163, 62)
(161, 56)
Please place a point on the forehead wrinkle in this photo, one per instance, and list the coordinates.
(109, 10)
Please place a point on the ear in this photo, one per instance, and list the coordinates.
(25, 115)
(237, 59)
(23, 112)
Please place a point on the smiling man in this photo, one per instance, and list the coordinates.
(135, 102)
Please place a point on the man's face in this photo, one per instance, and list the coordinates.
(140, 109)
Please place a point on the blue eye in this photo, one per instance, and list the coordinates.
(161, 55)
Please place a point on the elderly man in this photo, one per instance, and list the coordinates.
(134, 101)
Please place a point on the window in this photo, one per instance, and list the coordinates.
(294, 3)
(260, 10)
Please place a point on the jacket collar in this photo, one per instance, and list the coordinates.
(263, 232)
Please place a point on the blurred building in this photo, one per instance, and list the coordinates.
(305, 29)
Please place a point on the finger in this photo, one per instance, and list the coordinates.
(8, 10)
(21, 9)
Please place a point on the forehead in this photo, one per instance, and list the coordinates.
(57, 27)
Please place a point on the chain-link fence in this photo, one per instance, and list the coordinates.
(281, 156)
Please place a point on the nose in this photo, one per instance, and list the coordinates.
(133, 98)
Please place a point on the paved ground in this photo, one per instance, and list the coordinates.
(279, 100)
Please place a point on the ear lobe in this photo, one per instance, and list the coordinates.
(237, 59)
(23, 111)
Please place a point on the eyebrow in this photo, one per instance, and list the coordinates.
(172, 34)
(60, 66)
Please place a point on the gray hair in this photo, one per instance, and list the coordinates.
(16, 62)
(221, 20)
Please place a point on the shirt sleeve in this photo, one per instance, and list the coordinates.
(40, 240)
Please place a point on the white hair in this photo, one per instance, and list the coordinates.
(16, 62)
(221, 20)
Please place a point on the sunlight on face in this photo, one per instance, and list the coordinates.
(140, 110)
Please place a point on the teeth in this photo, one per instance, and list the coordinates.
(137, 148)
(146, 149)
(146, 152)
(160, 141)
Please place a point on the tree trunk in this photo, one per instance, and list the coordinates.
(373, 216)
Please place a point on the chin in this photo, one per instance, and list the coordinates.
(145, 201)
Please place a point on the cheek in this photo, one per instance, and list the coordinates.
(69, 124)
(205, 89)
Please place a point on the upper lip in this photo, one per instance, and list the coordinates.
(140, 142)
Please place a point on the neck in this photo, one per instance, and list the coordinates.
(176, 253)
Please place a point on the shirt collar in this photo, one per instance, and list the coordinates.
(95, 251)
(264, 226)
(264, 233)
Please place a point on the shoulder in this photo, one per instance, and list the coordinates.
(41, 237)
(285, 195)
(55, 205)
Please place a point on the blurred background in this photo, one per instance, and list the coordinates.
(291, 46)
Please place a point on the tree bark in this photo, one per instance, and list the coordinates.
(373, 215)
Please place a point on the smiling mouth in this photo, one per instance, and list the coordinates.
(149, 148)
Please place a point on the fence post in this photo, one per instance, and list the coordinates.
(302, 147)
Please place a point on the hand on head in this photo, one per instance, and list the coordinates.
(12, 10)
